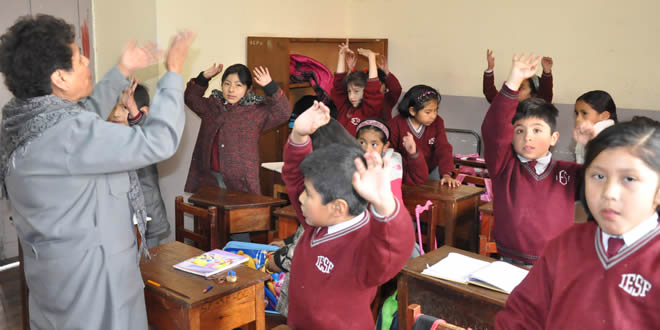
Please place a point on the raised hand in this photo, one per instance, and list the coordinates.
(127, 99)
(178, 51)
(382, 64)
(134, 58)
(367, 52)
(261, 76)
(409, 144)
(343, 48)
(546, 63)
(351, 60)
(583, 132)
(490, 58)
(451, 182)
(373, 183)
(309, 121)
(523, 67)
(212, 71)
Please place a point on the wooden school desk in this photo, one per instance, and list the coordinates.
(460, 304)
(226, 306)
(453, 205)
(238, 212)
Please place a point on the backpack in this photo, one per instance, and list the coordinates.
(306, 69)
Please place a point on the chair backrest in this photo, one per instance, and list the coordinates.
(414, 315)
(464, 141)
(205, 232)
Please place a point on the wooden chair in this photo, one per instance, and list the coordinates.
(206, 221)
(429, 217)
(414, 311)
(280, 192)
(487, 244)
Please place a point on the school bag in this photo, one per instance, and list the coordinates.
(306, 69)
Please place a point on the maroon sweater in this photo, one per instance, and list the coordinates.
(350, 117)
(576, 286)
(391, 97)
(236, 129)
(544, 92)
(529, 209)
(334, 277)
(432, 146)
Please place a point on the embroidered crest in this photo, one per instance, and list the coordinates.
(324, 264)
(635, 285)
(432, 140)
(563, 177)
(355, 121)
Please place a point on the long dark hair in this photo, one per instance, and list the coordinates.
(416, 97)
(600, 101)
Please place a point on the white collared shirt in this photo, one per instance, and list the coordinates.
(541, 163)
(630, 237)
(342, 225)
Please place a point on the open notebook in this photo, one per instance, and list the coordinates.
(498, 275)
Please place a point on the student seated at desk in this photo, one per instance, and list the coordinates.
(346, 251)
(612, 262)
(534, 194)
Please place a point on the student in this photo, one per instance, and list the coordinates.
(373, 135)
(418, 131)
(613, 261)
(356, 95)
(346, 251)
(530, 87)
(389, 84)
(594, 111)
(132, 110)
(534, 194)
(226, 153)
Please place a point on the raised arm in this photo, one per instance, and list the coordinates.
(194, 94)
(545, 83)
(341, 59)
(416, 170)
(276, 103)
(489, 78)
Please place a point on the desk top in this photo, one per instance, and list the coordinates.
(469, 162)
(415, 267)
(229, 199)
(434, 190)
(160, 270)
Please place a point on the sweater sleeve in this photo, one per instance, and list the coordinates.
(442, 150)
(372, 101)
(106, 93)
(338, 93)
(497, 129)
(194, 97)
(392, 96)
(292, 175)
(489, 86)
(545, 87)
(277, 106)
(415, 169)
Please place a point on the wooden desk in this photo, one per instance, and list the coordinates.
(453, 205)
(459, 304)
(287, 221)
(238, 212)
(469, 162)
(226, 306)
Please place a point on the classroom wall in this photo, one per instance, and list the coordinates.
(440, 43)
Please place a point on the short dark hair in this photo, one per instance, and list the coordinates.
(331, 133)
(383, 137)
(31, 50)
(535, 107)
(356, 78)
(416, 97)
(141, 96)
(600, 101)
(242, 71)
(641, 136)
(330, 170)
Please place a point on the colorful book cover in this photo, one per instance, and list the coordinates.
(211, 263)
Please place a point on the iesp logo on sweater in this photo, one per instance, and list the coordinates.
(432, 140)
(635, 285)
(563, 177)
(324, 264)
(355, 121)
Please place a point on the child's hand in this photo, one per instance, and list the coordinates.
(351, 60)
(261, 76)
(178, 51)
(546, 63)
(583, 132)
(343, 48)
(382, 64)
(524, 67)
(272, 266)
(367, 52)
(135, 58)
(491, 59)
(451, 182)
(409, 144)
(278, 242)
(373, 183)
(212, 71)
(127, 99)
(309, 121)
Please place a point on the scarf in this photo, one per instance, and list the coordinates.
(250, 98)
(25, 120)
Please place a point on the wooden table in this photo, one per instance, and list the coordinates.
(469, 162)
(459, 304)
(226, 306)
(238, 212)
(453, 205)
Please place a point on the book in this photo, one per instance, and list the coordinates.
(211, 263)
(497, 275)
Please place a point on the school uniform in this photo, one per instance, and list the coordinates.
(433, 149)
(336, 270)
(391, 97)
(577, 285)
(544, 91)
(68, 188)
(227, 142)
(532, 204)
(349, 116)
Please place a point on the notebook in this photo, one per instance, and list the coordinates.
(497, 275)
(210, 263)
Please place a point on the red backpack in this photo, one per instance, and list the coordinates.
(307, 69)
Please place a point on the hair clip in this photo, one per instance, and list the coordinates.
(377, 124)
(353, 70)
(365, 70)
(429, 92)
